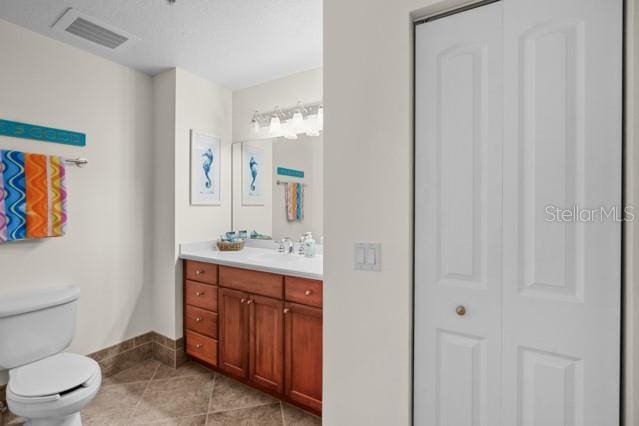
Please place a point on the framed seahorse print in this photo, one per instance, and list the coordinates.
(205, 169)
(253, 174)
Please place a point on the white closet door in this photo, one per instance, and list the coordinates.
(458, 219)
(561, 299)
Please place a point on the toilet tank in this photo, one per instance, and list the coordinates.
(36, 324)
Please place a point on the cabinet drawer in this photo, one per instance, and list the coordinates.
(200, 271)
(201, 347)
(201, 321)
(201, 295)
(304, 291)
(262, 283)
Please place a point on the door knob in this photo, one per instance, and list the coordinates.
(243, 300)
(460, 310)
(308, 292)
(199, 346)
(198, 272)
(199, 293)
(248, 302)
(287, 310)
(198, 319)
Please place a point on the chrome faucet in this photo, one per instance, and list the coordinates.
(290, 244)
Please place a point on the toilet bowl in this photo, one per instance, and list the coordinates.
(46, 386)
(52, 391)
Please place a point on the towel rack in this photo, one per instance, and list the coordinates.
(285, 182)
(80, 162)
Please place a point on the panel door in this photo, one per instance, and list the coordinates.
(562, 278)
(234, 342)
(266, 345)
(458, 246)
(303, 354)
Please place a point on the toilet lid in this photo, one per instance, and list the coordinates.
(52, 375)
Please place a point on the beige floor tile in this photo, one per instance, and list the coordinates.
(113, 404)
(172, 398)
(229, 394)
(293, 416)
(187, 369)
(180, 421)
(141, 372)
(263, 415)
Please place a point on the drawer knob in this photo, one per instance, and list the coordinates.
(199, 346)
(286, 311)
(248, 302)
(198, 272)
(199, 293)
(198, 319)
(308, 292)
(243, 300)
(460, 310)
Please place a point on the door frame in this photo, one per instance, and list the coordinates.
(629, 309)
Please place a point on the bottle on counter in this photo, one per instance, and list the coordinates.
(309, 245)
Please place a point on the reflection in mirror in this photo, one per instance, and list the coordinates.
(277, 187)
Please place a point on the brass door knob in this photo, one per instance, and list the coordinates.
(198, 319)
(460, 310)
(308, 292)
(286, 311)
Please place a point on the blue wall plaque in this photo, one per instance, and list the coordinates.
(41, 133)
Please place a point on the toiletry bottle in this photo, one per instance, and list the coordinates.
(309, 245)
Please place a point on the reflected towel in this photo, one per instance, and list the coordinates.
(294, 202)
(32, 196)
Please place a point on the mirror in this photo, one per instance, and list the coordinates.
(266, 200)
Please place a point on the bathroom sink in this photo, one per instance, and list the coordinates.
(277, 257)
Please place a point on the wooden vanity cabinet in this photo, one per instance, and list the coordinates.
(269, 330)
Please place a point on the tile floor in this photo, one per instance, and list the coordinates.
(152, 393)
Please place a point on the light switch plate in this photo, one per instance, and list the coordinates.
(367, 256)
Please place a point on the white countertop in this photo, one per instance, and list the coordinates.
(258, 259)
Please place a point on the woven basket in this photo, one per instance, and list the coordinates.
(230, 246)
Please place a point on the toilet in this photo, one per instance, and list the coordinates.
(46, 386)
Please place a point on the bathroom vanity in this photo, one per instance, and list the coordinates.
(256, 315)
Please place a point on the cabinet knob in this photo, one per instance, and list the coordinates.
(460, 310)
(199, 293)
(243, 300)
(248, 302)
(198, 272)
(198, 319)
(308, 292)
(286, 311)
(199, 346)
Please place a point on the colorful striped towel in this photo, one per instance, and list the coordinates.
(294, 202)
(32, 196)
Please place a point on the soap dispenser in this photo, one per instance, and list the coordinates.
(309, 245)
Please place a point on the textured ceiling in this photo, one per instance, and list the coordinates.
(236, 43)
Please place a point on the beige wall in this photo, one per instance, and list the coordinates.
(108, 246)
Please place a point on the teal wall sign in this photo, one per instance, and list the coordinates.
(41, 133)
(282, 171)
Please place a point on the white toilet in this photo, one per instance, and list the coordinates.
(46, 387)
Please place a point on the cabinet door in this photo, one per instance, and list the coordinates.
(233, 332)
(266, 343)
(303, 355)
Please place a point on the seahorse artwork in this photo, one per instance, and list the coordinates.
(206, 165)
(253, 167)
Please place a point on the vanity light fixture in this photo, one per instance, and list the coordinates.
(288, 123)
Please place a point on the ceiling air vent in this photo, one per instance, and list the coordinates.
(93, 31)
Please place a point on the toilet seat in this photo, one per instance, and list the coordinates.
(52, 376)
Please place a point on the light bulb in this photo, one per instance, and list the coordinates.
(275, 126)
(297, 122)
